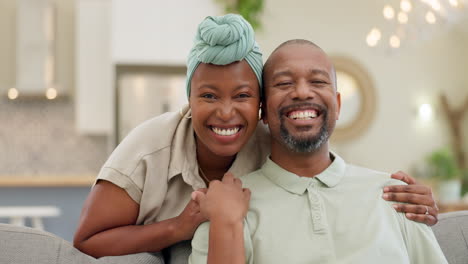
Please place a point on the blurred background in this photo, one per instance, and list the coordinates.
(77, 75)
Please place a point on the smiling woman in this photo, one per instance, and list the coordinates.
(358, 104)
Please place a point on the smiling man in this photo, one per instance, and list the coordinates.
(307, 204)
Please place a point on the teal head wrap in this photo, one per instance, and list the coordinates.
(223, 40)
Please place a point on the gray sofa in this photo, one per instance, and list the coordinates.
(23, 245)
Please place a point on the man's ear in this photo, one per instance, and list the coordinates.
(264, 113)
(338, 105)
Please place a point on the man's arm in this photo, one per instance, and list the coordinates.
(421, 244)
(418, 199)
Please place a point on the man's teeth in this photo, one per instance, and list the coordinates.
(303, 114)
(225, 132)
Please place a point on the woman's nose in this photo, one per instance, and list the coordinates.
(226, 111)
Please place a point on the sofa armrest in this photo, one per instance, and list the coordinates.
(452, 234)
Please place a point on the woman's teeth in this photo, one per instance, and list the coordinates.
(303, 115)
(224, 131)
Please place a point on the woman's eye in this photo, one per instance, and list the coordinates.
(208, 96)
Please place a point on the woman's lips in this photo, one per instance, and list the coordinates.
(225, 131)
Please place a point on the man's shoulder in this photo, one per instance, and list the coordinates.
(252, 179)
(370, 176)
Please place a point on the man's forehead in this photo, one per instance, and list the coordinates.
(291, 53)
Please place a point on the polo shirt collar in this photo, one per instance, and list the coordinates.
(293, 183)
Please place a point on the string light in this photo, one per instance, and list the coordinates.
(402, 18)
(422, 11)
(453, 3)
(405, 5)
(388, 12)
(430, 17)
(373, 37)
(394, 42)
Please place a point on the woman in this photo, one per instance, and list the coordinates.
(141, 198)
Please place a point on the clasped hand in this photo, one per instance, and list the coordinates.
(225, 200)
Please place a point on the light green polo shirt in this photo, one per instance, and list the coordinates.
(336, 217)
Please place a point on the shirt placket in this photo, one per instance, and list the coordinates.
(316, 210)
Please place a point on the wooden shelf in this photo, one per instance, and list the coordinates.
(450, 207)
(47, 181)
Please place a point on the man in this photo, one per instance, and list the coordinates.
(307, 205)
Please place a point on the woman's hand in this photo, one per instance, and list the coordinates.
(225, 200)
(189, 219)
(421, 205)
(225, 204)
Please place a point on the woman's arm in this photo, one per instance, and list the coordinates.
(225, 205)
(107, 225)
(420, 207)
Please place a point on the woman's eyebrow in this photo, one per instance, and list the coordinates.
(208, 86)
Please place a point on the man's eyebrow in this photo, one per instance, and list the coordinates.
(281, 73)
(319, 72)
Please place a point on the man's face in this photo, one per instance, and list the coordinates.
(302, 104)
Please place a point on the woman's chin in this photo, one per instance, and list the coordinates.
(226, 151)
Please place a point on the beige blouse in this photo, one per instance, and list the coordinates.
(156, 164)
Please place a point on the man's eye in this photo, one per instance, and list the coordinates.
(318, 82)
(283, 84)
(243, 95)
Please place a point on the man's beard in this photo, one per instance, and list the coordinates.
(307, 144)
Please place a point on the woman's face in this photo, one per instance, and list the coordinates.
(224, 102)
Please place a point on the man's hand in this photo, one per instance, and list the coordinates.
(225, 200)
(421, 205)
(190, 219)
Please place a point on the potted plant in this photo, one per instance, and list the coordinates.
(443, 166)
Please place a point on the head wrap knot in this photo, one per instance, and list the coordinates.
(223, 40)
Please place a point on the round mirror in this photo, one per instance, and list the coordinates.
(357, 99)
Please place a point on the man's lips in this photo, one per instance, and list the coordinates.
(302, 112)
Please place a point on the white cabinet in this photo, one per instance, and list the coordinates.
(35, 38)
(95, 95)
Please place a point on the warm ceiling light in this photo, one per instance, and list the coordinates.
(430, 17)
(12, 93)
(405, 5)
(402, 18)
(425, 112)
(388, 12)
(394, 41)
(51, 93)
(454, 3)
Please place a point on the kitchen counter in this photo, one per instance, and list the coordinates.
(46, 180)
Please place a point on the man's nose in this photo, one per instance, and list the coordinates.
(303, 91)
